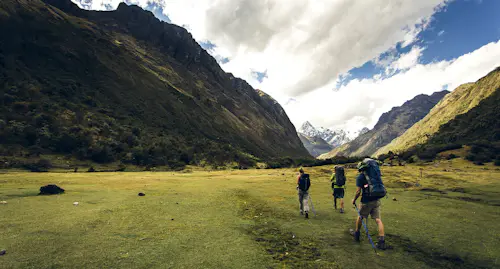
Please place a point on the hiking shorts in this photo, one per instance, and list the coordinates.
(371, 208)
(338, 193)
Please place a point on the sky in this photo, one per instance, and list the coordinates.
(340, 64)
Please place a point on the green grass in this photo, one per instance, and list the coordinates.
(246, 219)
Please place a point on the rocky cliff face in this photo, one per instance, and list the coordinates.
(389, 126)
(315, 145)
(122, 85)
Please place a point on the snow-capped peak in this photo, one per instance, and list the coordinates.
(308, 129)
(334, 138)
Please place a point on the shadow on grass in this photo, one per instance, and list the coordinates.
(442, 194)
(19, 195)
(290, 251)
(285, 248)
(434, 258)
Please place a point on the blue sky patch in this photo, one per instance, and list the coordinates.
(207, 45)
(462, 27)
(260, 76)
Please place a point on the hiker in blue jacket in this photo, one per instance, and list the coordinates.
(370, 205)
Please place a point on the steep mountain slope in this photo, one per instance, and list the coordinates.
(363, 131)
(315, 145)
(390, 125)
(334, 138)
(122, 85)
(460, 101)
(480, 123)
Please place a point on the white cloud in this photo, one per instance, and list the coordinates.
(361, 102)
(407, 60)
(307, 44)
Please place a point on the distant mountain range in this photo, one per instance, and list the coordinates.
(471, 113)
(322, 140)
(335, 138)
(389, 126)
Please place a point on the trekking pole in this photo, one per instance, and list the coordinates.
(312, 205)
(366, 229)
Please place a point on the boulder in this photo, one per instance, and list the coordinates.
(141, 194)
(50, 189)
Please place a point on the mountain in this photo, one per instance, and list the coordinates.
(389, 126)
(315, 145)
(363, 131)
(480, 123)
(464, 115)
(124, 86)
(308, 129)
(334, 138)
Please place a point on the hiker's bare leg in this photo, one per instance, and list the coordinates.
(380, 225)
(358, 224)
(341, 203)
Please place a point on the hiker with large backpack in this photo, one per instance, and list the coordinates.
(338, 185)
(371, 188)
(303, 184)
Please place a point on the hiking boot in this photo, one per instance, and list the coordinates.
(381, 244)
(307, 215)
(301, 213)
(342, 211)
(355, 234)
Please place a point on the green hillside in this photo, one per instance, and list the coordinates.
(460, 101)
(480, 123)
(123, 86)
(389, 126)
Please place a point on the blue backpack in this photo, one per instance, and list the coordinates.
(371, 170)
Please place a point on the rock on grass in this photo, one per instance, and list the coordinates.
(50, 190)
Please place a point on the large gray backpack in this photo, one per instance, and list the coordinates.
(339, 176)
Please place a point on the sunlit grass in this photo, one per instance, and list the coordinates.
(246, 219)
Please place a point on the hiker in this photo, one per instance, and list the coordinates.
(303, 184)
(338, 185)
(370, 187)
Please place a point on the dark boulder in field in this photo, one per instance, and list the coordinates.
(141, 194)
(50, 189)
(3, 252)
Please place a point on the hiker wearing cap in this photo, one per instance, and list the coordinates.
(338, 186)
(303, 184)
(371, 189)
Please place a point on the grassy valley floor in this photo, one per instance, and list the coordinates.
(446, 218)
